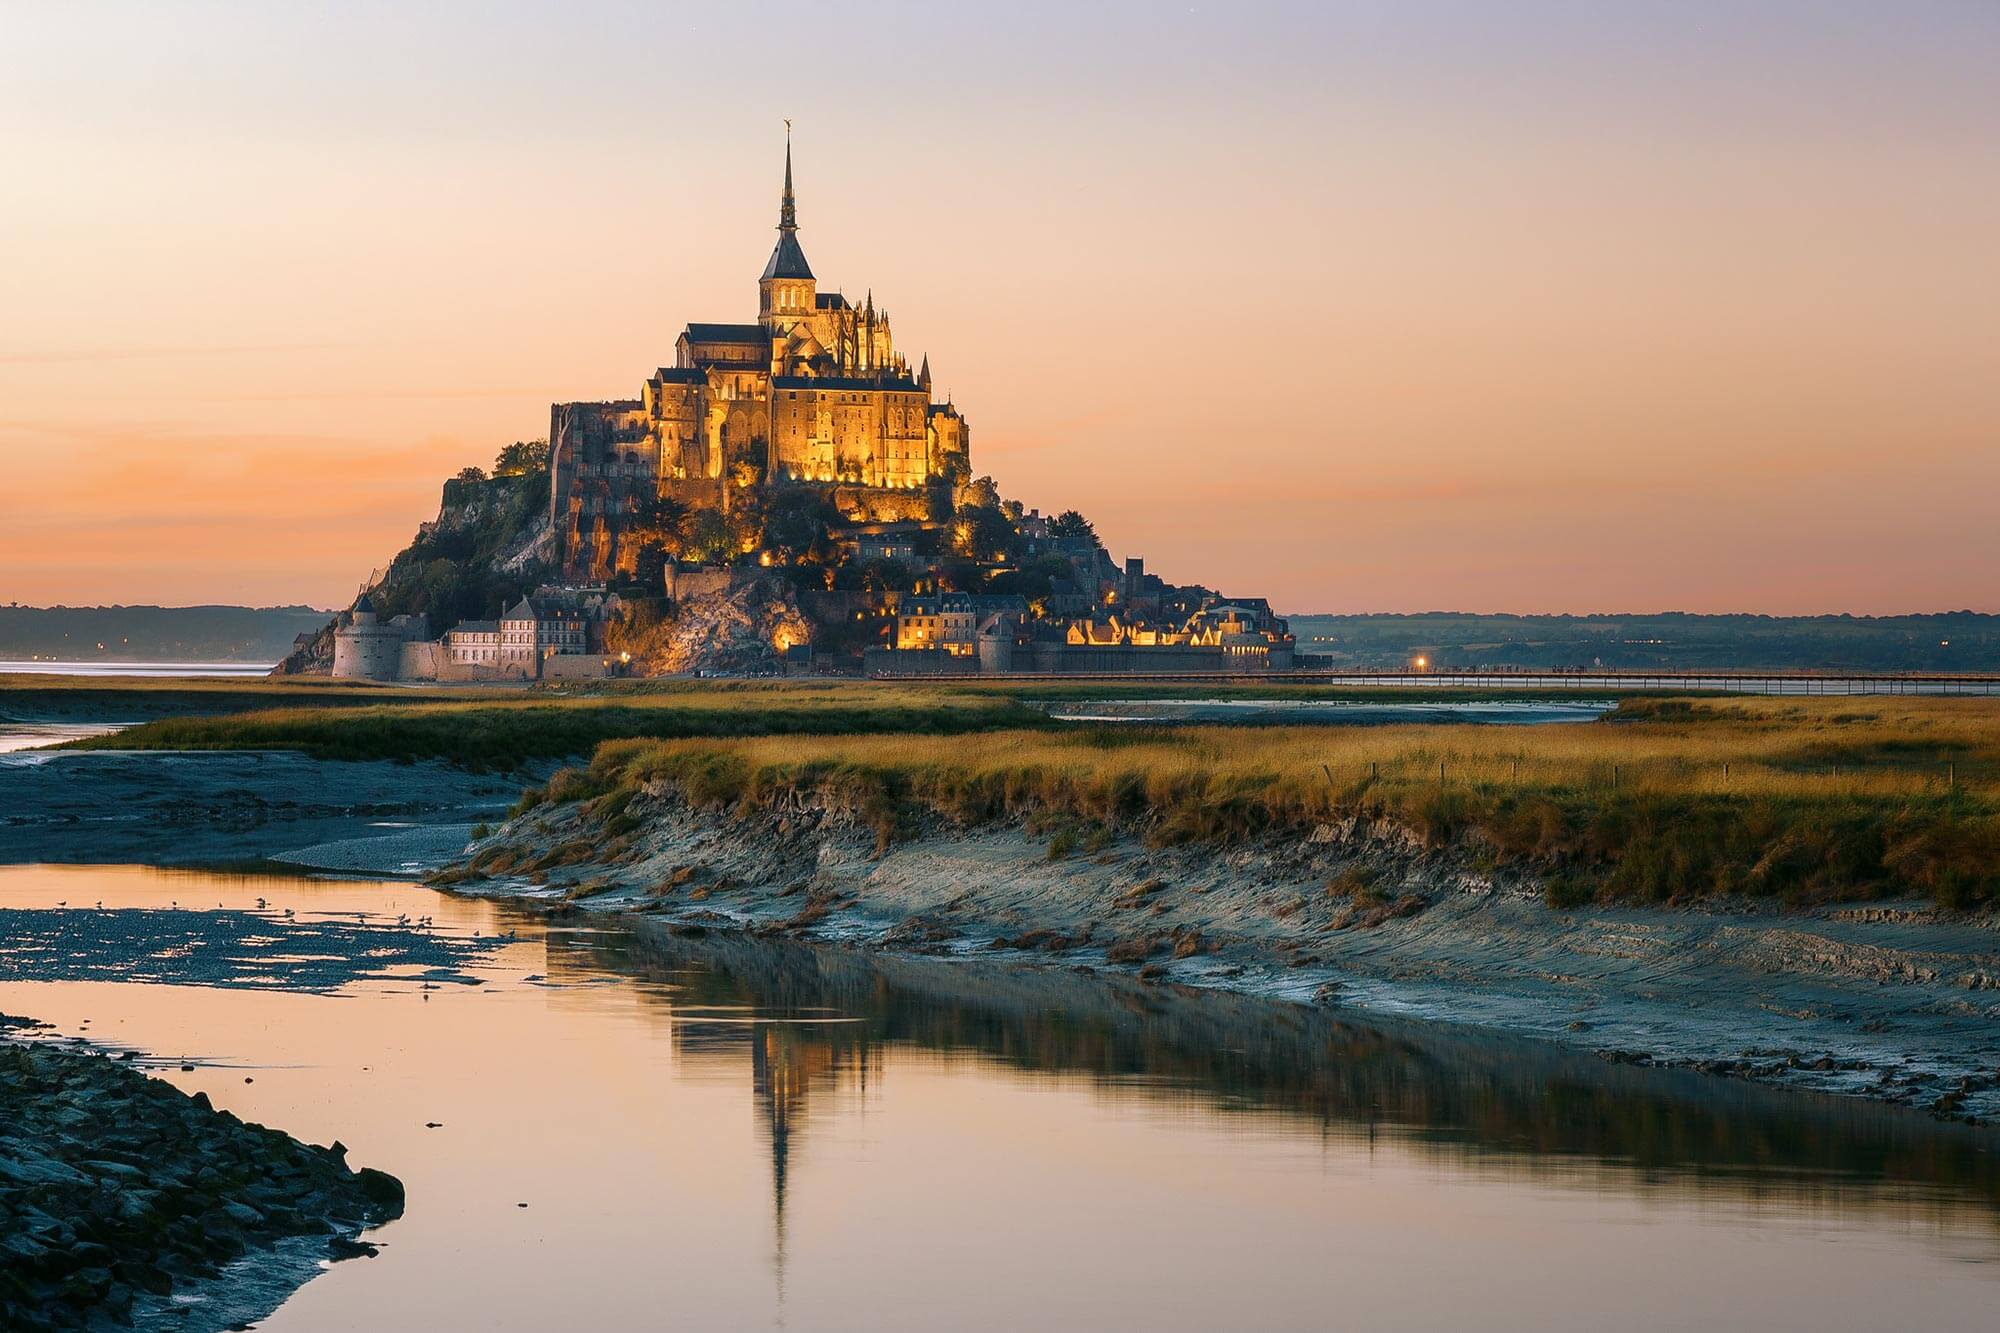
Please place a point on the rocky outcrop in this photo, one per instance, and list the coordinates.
(118, 1190)
(312, 657)
(736, 632)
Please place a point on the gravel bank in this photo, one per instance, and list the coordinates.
(123, 1201)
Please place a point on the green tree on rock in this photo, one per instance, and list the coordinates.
(1073, 529)
(522, 458)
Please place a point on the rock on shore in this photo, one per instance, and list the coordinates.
(119, 1191)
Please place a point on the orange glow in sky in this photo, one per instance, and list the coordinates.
(1465, 306)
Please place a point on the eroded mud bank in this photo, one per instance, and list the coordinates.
(1894, 1002)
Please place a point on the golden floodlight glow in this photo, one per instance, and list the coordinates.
(1422, 662)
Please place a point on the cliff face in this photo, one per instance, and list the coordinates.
(489, 544)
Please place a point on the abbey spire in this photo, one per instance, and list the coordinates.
(787, 260)
(788, 207)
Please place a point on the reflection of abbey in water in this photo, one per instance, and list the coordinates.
(788, 1064)
(1455, 1092)
(813, 391)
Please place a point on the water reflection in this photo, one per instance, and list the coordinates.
(1504, 1107)
(729, 1133)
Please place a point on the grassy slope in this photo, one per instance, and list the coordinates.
(1808, 799)
(1804, 799)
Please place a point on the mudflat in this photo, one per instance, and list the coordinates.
(226, 808)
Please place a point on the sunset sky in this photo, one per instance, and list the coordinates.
(1363, 306)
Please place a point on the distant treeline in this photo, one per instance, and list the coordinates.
(1948, 641)
(155, 633)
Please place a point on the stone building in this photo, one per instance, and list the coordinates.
(813, 392)
(531, 633)
(473, 643)
(950, 622)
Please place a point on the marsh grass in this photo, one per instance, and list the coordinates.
(503, 729)
(504, 734)
(1804, 800)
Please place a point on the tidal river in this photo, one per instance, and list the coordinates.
(609, 1126)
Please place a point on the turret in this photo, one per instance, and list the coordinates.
(787, 292)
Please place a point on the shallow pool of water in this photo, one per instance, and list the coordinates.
(41, 666)
(722, 1133)
(16, 734)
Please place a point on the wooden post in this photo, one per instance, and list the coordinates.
(1440, 772)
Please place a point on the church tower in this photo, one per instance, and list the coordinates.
(786, 293)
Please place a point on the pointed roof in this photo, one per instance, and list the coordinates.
(523, 610)
(787, 260)
(924, 372)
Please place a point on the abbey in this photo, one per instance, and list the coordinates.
(813, 392)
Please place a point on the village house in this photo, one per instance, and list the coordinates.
(473, 643)
(950, 621)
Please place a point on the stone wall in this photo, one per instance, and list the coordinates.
(685, 582)
(1175, 659)
(576, 666)
(877, 504)
(915, 662)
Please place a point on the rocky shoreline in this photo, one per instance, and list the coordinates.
(1891, 1002)
(123, 1200)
